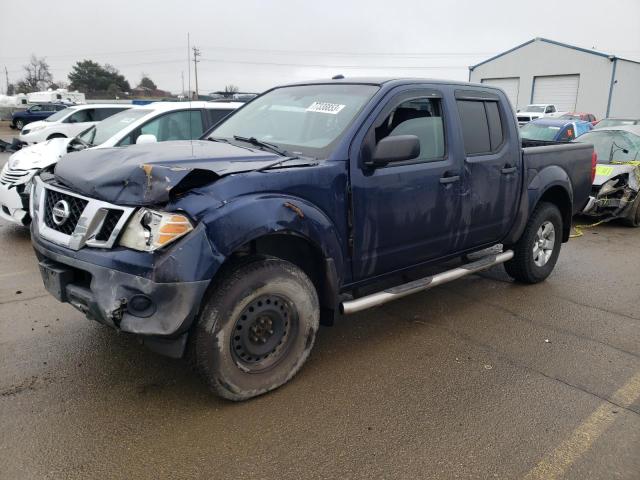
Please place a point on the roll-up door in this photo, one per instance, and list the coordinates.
(560, 90)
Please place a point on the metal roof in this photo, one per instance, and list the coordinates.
(553, 42)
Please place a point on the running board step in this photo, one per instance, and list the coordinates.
(380, 298)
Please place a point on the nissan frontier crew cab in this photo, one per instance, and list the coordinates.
(312, 201)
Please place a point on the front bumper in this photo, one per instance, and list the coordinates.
(161, 313)
(14, 203)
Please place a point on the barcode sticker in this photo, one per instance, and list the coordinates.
(325, 107)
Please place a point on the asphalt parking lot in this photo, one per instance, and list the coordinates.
(481, 378)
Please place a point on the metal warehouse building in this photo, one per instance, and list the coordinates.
(572, 78)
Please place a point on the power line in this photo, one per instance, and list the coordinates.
(324, 65)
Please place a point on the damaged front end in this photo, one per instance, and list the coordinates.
(614, 191)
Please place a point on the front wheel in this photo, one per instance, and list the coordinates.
(19, 124)
(633, 216)
(257, 328)
(536, 253)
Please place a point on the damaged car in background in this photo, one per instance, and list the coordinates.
(615, 188)
(155, 122)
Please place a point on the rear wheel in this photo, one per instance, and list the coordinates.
(257, 328)
(536, 253)
(633, 217)
(19, 124)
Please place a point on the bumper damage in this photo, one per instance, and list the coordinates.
(160, 313)
(14, 203)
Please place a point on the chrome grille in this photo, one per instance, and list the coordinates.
(76, 207)
(109, 224)
(90, 222)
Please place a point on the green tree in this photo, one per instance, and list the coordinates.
(146, 82)
(90, 77)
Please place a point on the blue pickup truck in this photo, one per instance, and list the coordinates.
(312, 201)
(34, 113)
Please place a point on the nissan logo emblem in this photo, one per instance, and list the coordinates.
(60, 212)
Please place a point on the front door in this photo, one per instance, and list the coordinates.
(405, 213)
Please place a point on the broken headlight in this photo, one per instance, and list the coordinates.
(149, 230)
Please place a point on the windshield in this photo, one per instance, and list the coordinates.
(613, 122)
(60, 115)
(305, 120)
(533, 131)
(613, 145)
(534, 108)
(103, 131)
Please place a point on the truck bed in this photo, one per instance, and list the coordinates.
(574, 158)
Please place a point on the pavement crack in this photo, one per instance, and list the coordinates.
(22, 299)
(554, 328)
(604, 310)
(514, 363)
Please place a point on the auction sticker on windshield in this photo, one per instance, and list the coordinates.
(325, 107)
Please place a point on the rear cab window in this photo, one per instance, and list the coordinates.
(481, 122)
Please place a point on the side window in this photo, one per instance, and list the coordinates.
(35, 108)
(216, 115)
(481, 126)
(421, 117)
(102, 113)
(81, 116)
(184, 125)
(475, 127)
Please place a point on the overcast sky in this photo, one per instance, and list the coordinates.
(257, 44)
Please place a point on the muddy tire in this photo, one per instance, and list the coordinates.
(257, 328)
(633, 216)
(536, 253)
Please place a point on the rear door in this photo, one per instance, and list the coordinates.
(492, 172)
(405, 213)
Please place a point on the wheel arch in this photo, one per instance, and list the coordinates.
(285, 227)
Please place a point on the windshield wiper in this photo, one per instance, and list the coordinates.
(275, 164)
(260, 143)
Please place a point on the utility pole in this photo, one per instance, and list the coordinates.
(182, 75)
(196, 54)
(6, 73)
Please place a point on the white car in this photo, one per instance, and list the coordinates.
(156, 122)
(534, 111)
(69, 122)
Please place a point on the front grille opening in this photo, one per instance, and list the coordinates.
(76, 207)
(109, 225)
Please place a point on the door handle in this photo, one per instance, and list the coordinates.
(508, 169)
(449, 179)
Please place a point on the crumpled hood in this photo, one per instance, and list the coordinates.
(147, 174)
(40, 155)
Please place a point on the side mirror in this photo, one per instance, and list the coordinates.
(397, 148)
(146, 138)
(518, 111)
